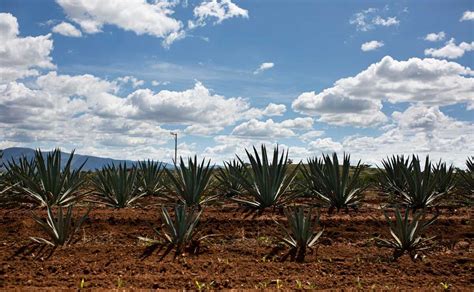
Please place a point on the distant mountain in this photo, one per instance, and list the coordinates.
(93, 162)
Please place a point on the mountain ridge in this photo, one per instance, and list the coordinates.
(92, 163)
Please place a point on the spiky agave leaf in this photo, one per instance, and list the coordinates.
(444, 176)
(15, 194)
(407, 234)
(48, 182)
(228, 178)
(421, 185)
(179, 232)
(60, 228)
(300, 233)
(466, 184)
(333, 183)
(268, 182)
(116, 186)
(149, 177)
(391, 177)
(189, 183)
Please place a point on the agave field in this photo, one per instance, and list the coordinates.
(259, 221)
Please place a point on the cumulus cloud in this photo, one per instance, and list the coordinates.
(467, 15)
(273, 109)
(158, 83)
(369, 19)
(450, 50)
(193, 106)
(263, 67)
(435, 37)
(270, 129)
(67, 29)
(133, 81)
(21, 57)
(372, 45)
(310, 135)
(139, 16)
(219, 10)
(421, 130)
(325, 145)
(389, 21)
(358, 100)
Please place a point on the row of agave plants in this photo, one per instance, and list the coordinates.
(266, 182)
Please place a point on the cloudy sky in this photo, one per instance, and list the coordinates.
(113, 78)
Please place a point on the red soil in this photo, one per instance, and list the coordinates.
(108, 254)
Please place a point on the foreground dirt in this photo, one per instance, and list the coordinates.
(107, 254)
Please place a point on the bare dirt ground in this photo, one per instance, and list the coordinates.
(107, 254)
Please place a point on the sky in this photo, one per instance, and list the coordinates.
(114, 78)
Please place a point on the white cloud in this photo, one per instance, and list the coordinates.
(158, 83)
(309, 136)
(326, 145)
(21, 57)
(358, 100)
(67, 29)
(337, 109)
(450, 50)
(386, 21)
(418, 130)
(263, 67)
(220, 10)
(193, 106)
(368, 19)
(270, 129)
(372, 45)
(435, 37)
(139, 16)
(467, 15)
(273, 109)
(130, 79)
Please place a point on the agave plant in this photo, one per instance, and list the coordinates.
(189, 183)
(466, 184)
(391, 178)
(421, 185)
(115, 186)
(268, 182)
(59, 227)
(407, 234)
(47, 181)
(3, 182)
(177, 233)
(444, 176)
(149, 177)
(332, 183)
(300, 234)
(228, 179)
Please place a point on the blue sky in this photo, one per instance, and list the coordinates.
(363, 77)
